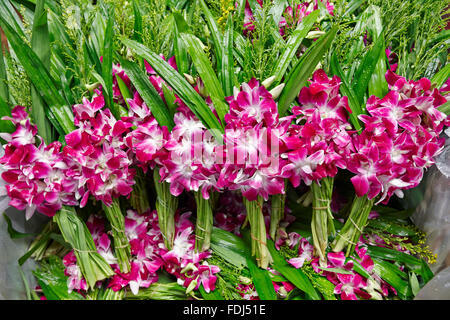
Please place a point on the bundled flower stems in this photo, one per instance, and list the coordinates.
(183, 177)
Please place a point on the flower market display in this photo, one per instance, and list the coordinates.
(222, 150)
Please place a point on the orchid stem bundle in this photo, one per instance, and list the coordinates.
(276, 213)
(121, 244)
(351, 231)
(203, 227)
(258, 231)
(139, 197)
(93, 266)
(322, 219)
(166, 205)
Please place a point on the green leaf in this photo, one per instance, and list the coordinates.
(206, 72)
(170, 98)
(445, 108)
(58, 111)
(391, 227)
(126, 94)
(358, 268)
(227, 71)
(11, 16)
(230, 247)
(293, 44)
(301, 72)
(390, 273)
(441, 76)
(417, 266)
(4, 90)
(414, 283)
(366, 69)
(35, 246)
(148, 93)
(212, 295)
(346, 90)
(40, 43)
(181, 87)
(181, 56)
(262, 282)
(216, 34)
(107, 53)
(53, 281)
(14, 234)
(296, 276)
(5, 125)
(137, 32)
(336, 270)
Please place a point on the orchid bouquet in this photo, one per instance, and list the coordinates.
(220, 150)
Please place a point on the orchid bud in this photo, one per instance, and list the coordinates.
(93, 86)
(268, 82)
(282, 293)
(314, 34)
(245, 280)
(191, 286)
(189, 79)
(189, 267)
(275, 92)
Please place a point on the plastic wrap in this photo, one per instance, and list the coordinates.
(433, 216)
(11, 284)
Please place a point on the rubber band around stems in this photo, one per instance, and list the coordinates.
(356, 226)
(347, 240)
(123, 246)
(117, 230)
(258, 240)
(162, 203)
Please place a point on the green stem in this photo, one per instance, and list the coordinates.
(353, 227)
(203, 227)
(121, 245)
(258, 232)
(166, 205)
(322, 219)
(139, 197)
(276, 213)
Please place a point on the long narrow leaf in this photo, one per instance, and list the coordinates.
(227, 71)
(181, 56)
(137, 32)
(215, 32)
(387, 272)
(293, 44)
(41, 80)
(9, 13)
(181, 87)
(140, 80)
(40, 43)
(206, 72)
(5, 110)
(441, 76)
(366, 69)
(297, 78)
(296, 276)
(4, 90)
(262, 282)
(346, 90)
(107, 61)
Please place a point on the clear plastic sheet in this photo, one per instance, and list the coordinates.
(11, 284)
(433, 216)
